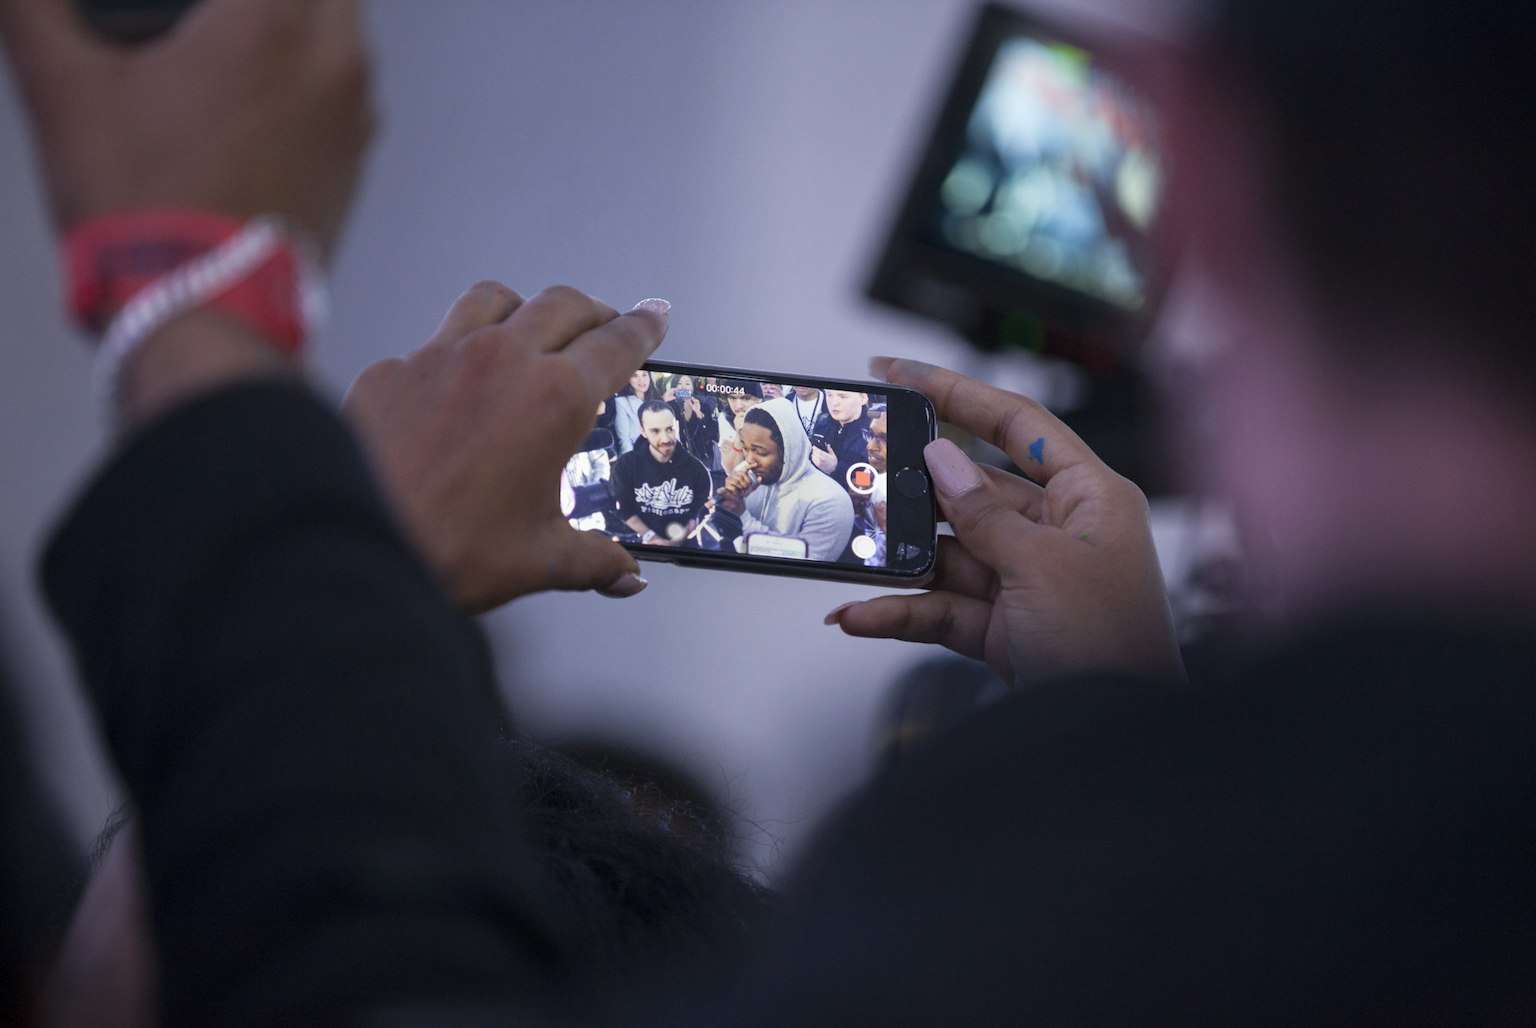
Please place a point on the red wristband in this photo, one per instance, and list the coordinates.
(112, 258)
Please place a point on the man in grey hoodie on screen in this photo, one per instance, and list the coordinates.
(777, 490)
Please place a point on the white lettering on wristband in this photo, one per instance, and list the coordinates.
(200, 280)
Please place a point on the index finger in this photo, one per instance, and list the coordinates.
(1032, 436)
(612, 351)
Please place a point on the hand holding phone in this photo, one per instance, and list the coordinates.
(449, 427)
(1044, 580)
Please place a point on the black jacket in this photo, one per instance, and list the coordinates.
(847, 442)
(673, 493)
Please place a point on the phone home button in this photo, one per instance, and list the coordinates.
(912, 483)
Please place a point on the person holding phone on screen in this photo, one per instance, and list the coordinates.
(838, 439)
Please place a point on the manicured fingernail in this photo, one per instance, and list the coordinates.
(656, 305)
(951, 469)
(498, 300)
(834, 616)
(627, 584)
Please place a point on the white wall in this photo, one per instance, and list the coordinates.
(736, 158)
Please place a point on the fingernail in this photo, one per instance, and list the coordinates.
(834, 616)
(880, 367)
(656, 305)
(952, 471)
(626, 585)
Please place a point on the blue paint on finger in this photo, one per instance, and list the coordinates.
(1037, 450)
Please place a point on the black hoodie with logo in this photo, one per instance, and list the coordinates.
(661, 494)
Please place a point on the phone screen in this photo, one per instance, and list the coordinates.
(761, 472)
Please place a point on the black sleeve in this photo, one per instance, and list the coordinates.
(851, 449)
(609, 413)
(1001, 877)
(301, 719)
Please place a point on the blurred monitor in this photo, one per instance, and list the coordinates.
(1030, 220)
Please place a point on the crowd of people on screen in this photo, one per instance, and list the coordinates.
(739, 464)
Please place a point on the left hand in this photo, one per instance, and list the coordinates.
(1042, 580)
(470, 433)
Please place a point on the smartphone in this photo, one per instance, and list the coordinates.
(757, 471)
(132, 21)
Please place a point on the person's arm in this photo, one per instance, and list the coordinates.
(825, 459)
(703, 491)
(499, 398)
(119, 129)
(271, 661)
(621, 480)
(299, 715)
(274, 670)
(1040, 580)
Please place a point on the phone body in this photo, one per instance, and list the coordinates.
(679, 468)
(132, 21)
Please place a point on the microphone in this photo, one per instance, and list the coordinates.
(705, 526)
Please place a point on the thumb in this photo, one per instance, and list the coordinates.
(591, 560)
(985, 523)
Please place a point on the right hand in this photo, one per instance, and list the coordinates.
(732, 495)
(824, 459)
(246, 107)
(1040, 580)
(470, 434)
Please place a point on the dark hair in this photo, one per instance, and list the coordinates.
(639, 873)
(634, 862)
(650, 406)
(651, 392)
(762, 418)
(1399, 159)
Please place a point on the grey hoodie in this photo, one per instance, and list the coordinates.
(804, 503)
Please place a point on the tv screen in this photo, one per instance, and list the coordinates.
(1030, 220)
